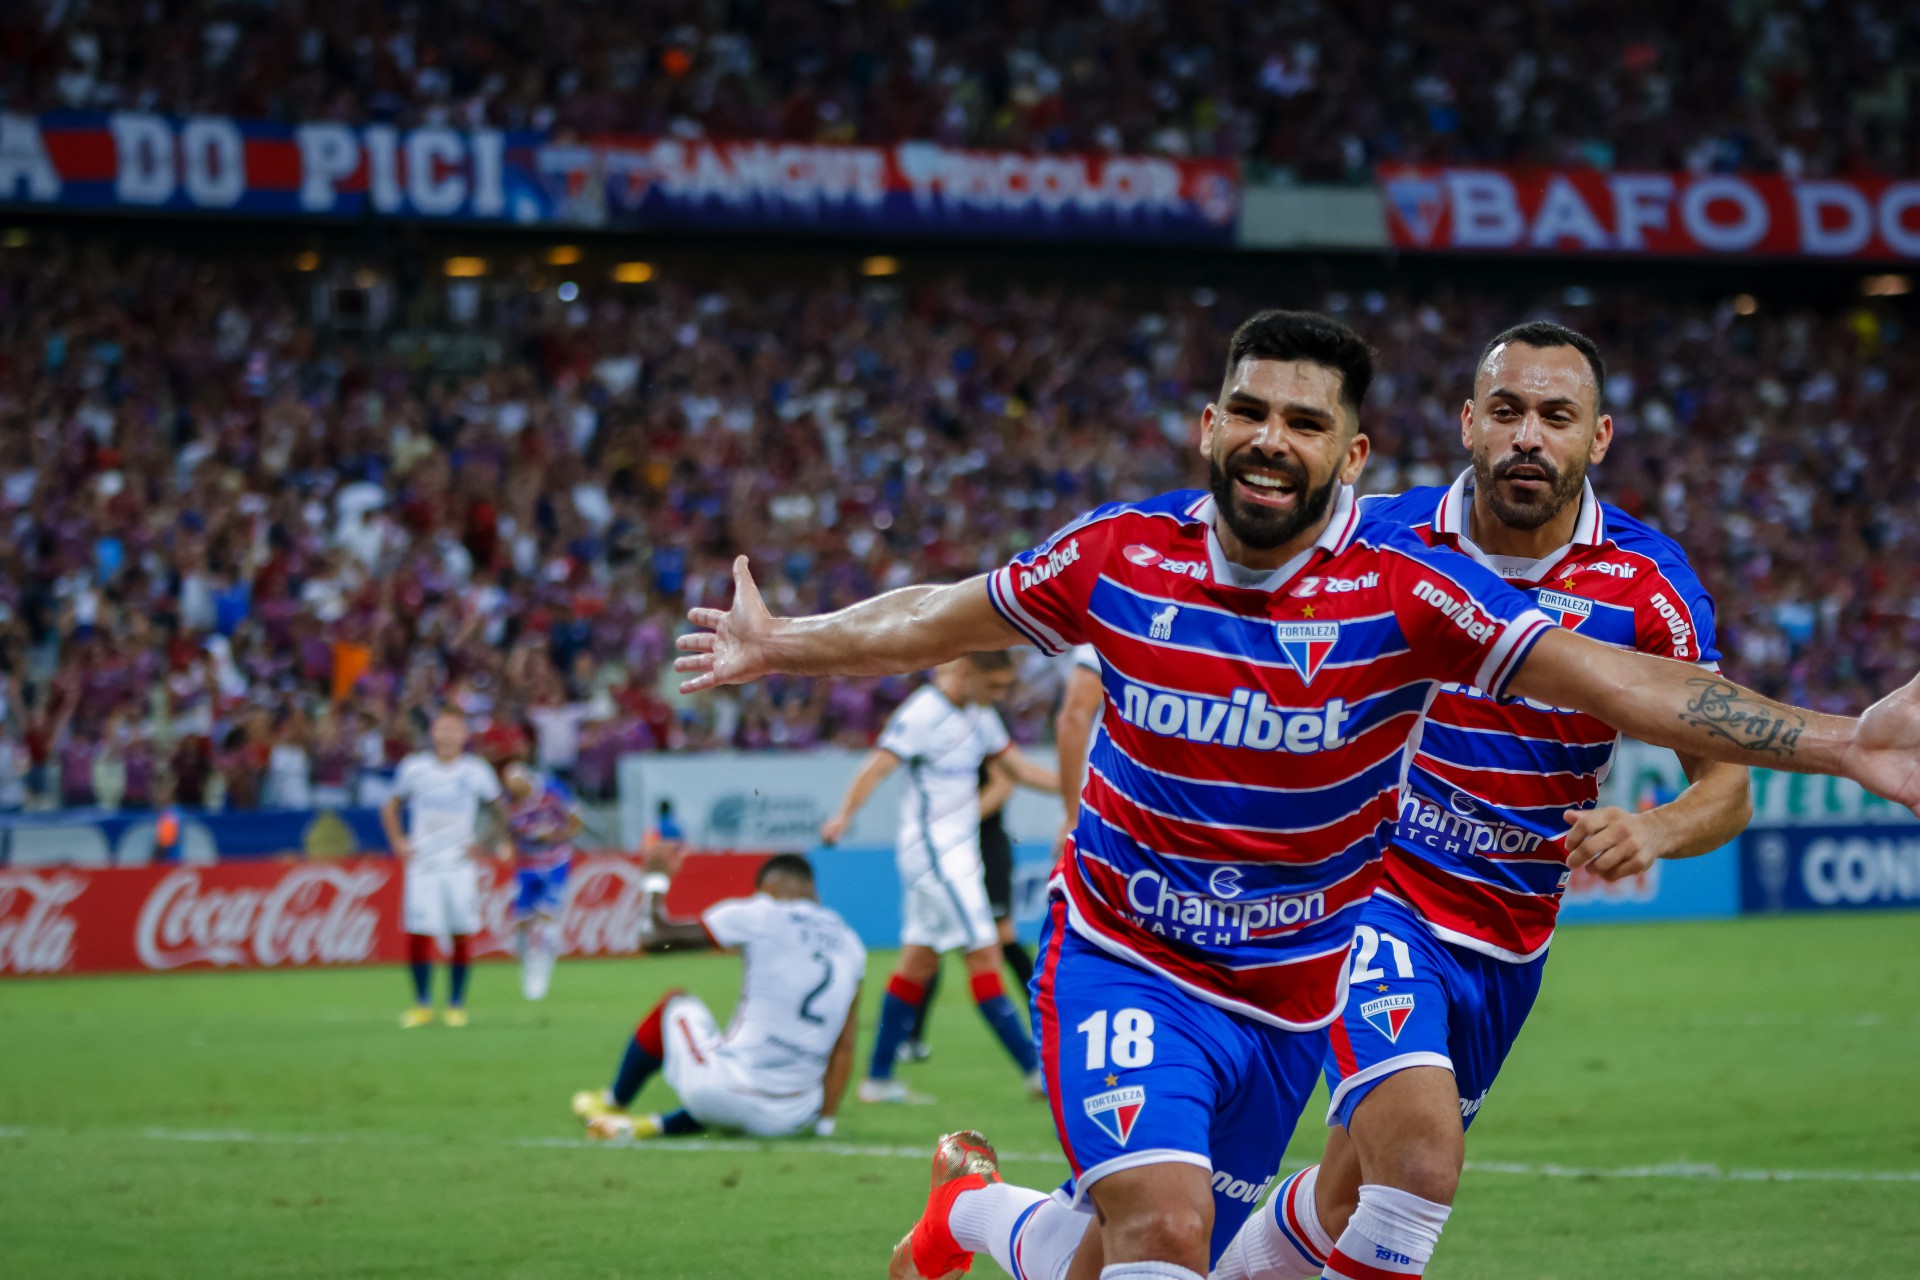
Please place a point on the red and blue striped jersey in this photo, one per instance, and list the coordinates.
(1479, 850)
(539, 825)
(1244, 776)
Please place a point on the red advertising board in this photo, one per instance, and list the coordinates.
(1547, 211)
(281, 914)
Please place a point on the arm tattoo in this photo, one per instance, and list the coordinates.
(1728, 713)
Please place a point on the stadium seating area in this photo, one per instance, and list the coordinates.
(1317, 89)
(242, 548)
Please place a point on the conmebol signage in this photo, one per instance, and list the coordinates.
(1547, 211)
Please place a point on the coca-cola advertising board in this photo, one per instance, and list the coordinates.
(261, 915)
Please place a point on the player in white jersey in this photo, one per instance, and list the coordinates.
(444, 791)
(784, 1060)
(942, 733)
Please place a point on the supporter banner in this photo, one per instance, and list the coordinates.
(135, 160)
(1699, 215)
(273, 914)
(1829, 868)
(210, 164)
(909, 189)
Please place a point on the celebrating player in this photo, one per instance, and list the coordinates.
(1498, 806)
(1267, 651)
(444, 791)
(943, 732)
(784, 1061)
(542, 821)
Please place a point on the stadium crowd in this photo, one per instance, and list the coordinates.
(244, 553)
(1318, 89)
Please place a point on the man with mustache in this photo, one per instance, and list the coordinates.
(1240, 787)
(1498, 809)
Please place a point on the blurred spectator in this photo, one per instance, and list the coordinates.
(318, 539)
(1310, 87)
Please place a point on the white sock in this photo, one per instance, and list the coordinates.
(1392, 1231)
(1283, 1239)
(1148, 1271)
(1044, 1245)
(1030, 1234)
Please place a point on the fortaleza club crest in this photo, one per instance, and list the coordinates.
(1568, 611)
(1116, 1110)
(1388, 1015)
(1305, 645)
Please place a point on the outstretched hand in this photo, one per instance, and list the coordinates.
(1885, 754)
(731, 647)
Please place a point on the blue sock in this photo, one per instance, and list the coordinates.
(635, 1067)
(1007, 1024)
(678, 1124)
(422, 984)
(456, 985)
(898, 1009)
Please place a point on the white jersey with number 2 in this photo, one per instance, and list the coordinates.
(803, 968)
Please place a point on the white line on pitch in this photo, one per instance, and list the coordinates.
(748, 1146)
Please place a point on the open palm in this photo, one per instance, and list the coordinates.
(1885, 755)
(731, 647)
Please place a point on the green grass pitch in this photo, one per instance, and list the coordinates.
(280, 1124)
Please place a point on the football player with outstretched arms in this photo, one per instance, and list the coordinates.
(1239, 795)
(1499, 809)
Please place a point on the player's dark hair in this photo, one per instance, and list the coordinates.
(784, 864)
(990, 660)
(1545, 334)
(1310, 336)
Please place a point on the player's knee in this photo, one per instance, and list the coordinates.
(1426, 1166)
(1173, 1233)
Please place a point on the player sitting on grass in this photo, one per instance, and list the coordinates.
(542, 821)
(943, 733)
(785, 1059)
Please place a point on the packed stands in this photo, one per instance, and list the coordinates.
(248, 547)
(1309, 88)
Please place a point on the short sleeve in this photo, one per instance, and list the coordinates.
(1464, 622)
(1086, 658)
(1043, 593)
(1675, 620)
(994, 738)
(737, 921)
(405, 778)
(486, 781)
(905, 729)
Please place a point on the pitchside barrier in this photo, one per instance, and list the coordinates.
(81, 892)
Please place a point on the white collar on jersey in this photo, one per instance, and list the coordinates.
(1453, 519)
(1344, 519)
